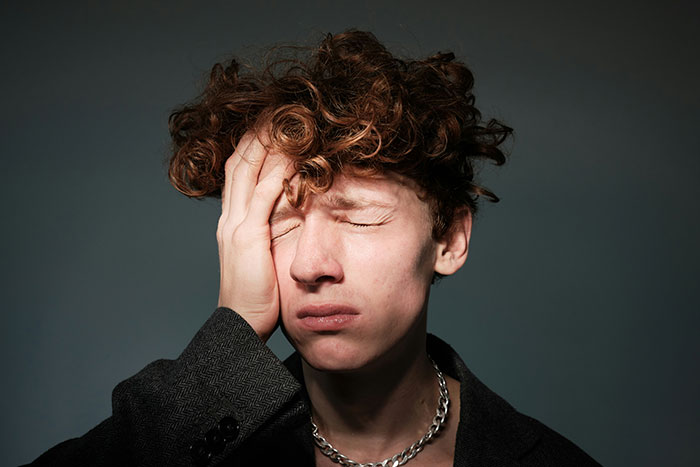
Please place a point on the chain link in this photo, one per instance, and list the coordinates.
(407, 454)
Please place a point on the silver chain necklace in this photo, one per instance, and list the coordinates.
(407, 454)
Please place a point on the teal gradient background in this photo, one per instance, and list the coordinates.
(578, 304)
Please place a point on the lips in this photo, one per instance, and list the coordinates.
(324, 310)
(326, 316)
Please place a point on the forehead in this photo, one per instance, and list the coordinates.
(350, 190)
(379, 190)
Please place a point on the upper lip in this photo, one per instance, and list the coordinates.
(325, 309)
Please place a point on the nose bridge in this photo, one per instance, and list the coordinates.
(317, 253)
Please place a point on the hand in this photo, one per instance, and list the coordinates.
(248, 284)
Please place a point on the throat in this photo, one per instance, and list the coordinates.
(372, 416)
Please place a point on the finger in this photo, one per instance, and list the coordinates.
(276, 161)
(266, 193)
(245, 177)
(229, 168)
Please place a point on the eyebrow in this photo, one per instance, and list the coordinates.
(282, 213)
(337, 201)
(334, 202)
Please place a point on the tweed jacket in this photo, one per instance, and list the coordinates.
(228, 400)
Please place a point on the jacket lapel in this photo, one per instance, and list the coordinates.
(490, 431)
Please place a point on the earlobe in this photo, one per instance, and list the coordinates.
(453, 248)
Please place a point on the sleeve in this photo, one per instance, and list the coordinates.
(192, 410)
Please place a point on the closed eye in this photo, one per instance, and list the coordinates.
(284, 232)
(357, 224)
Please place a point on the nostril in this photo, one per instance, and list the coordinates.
(326, 278)
(311, 279)
(317, 280)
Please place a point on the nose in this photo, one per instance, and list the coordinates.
(317, 257)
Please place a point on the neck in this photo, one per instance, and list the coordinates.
(378, 409)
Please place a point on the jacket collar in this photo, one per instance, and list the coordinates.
(490, 431)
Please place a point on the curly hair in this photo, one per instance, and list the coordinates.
(346, 105)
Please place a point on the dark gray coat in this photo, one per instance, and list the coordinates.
(228, 400)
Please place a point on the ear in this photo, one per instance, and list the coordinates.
(452, 248)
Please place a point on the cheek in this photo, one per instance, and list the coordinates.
(400, 266)
(282, 256)
(399, 297)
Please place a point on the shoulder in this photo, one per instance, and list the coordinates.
(492, 432)
(553, 449)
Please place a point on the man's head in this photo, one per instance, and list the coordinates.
(347, 106)
(381, 192)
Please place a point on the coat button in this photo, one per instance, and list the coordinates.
(214, 440)
(228, 427)
(200, 453)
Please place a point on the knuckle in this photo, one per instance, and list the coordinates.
(260, 189)
(265, 187)
(221, 225)
(239, 238)
(224, 231)
(239, 170)
(230, 163)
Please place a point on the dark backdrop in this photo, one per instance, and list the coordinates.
(578, 303)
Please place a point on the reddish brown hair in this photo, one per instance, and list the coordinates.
(347, 104)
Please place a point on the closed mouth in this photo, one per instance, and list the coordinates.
(324, 310)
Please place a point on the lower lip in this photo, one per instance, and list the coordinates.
(328, 323)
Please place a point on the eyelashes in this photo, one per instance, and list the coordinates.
(284, 232)
(357, 225)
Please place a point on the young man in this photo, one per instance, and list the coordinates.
(347, 185)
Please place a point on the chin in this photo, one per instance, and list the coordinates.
(332, 353)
